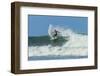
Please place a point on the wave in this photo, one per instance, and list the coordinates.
(68, 43)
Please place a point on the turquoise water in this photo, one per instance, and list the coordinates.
(45, 40)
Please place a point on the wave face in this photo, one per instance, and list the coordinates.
(68, 45)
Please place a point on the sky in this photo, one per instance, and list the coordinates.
(38, 24)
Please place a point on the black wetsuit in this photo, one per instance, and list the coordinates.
(55, 33)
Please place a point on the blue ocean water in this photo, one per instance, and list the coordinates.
(55, 57)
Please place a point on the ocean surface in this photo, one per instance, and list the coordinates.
(45, 40)
(69, 45)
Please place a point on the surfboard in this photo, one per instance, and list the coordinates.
(53, 38)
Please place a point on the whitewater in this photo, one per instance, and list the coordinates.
(74, 45)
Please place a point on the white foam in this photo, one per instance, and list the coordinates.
(77, 45)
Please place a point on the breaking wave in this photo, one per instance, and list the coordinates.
(68, 43)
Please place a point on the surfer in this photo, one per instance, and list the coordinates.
(55, 34)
